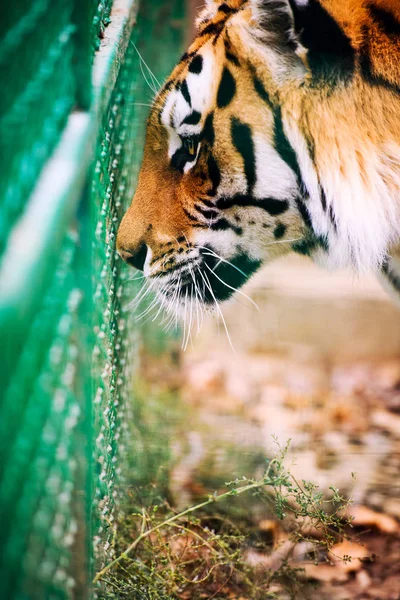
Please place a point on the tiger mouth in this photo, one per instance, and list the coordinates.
(211, 279)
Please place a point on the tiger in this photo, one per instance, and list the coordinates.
(278, 131)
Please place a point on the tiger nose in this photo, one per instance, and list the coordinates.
(135, 257)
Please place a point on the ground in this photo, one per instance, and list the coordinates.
(336, 399)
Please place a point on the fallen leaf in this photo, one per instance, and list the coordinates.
(387, 421)
(348, 555)
(273, 561)
(392, 506)
(274, 529)
(366, 517)
(363, 580)
(326, 573)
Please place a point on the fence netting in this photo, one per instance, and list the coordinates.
(68, 171)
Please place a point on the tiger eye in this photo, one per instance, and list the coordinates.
(190, 146)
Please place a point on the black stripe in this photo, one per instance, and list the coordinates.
(385, 21)
(213, 28)
(196, 65)
(224, 225)
(288, 155)
(285, 150)
(243, 141)
(167, 86)
(311, 152)
(309, 244)
(227, 89)
(229, 52)
(323, 197)
(208, 134)
(373, 77)
(207, 213)
(304, 213)
(232, 58)
(190, 216)
(330, 53)
(192, 119)
(392, 277)
(226, 9)
(279, 231)
(272, 206)
(194, 220)
(214, 174)
(186, 55)
(208, 203)
(282, 144)
(167, 253)
(332, 217)
(260, 89)
(185, 92)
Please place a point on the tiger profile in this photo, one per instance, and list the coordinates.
(278, 131)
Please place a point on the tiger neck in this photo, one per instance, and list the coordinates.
(347, 143)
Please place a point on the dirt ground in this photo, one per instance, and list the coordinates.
(338, 403)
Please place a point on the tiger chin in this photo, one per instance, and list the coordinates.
(278, 131)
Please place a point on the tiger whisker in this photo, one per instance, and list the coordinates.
(148, 309)
(184, 322)
(144, 291)
(151, 85)
(284, 241)
(198, 302)
(161, 307)
(207, 282)
(213, 253)
(140, 104)
(190, 322)
(146, 65)
(233, 289)
(135, 277)
(172, 308)
(217, 265)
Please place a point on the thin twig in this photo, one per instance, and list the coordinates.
(171, 520)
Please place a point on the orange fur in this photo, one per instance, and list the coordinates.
(351, 130)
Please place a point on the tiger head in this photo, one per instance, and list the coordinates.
(220, 190)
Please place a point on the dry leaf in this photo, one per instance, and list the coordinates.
(273, 561)
(387, 421)
(363, 580)
(326, 573)
(366, 517)
(348, 555)
(274, 529)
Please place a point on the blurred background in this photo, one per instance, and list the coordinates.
(103, 415)
(317, 365)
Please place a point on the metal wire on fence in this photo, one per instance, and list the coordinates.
(70, 155)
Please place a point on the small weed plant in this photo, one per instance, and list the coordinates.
(200, 553)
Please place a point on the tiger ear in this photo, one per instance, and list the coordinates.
(274, 27)
(306, 24)
(330, 52)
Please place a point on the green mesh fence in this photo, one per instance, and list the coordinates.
(117, 164)
(100, 20)
(67, 342)
(35, 55)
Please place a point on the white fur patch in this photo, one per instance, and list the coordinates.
(274, 176)
(366, 212)
(201, 88)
